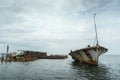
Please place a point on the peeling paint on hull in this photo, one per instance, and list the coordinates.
(88, 55)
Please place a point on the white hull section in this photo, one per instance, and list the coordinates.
(88, 55)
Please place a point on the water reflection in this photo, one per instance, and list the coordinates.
(90, 72)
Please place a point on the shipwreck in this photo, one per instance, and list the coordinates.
(89, 54)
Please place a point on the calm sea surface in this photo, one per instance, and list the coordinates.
(47, 69)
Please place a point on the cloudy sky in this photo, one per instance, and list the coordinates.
(58, 26)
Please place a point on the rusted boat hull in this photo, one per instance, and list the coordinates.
(88, 55)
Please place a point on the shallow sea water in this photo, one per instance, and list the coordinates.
(48, 69)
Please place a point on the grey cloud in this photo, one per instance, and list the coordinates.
(49, 25)
(94, 6)
(6, 3)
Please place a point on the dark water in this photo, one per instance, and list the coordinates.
(46, 69)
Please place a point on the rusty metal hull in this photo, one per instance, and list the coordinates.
(88, 55)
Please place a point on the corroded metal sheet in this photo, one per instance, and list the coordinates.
(88, 55)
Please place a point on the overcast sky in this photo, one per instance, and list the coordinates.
(58, 26)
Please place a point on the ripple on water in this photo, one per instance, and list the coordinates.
(45, 69)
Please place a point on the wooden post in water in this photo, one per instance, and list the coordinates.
(2, 58)
(7, 52)
(7, 49)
